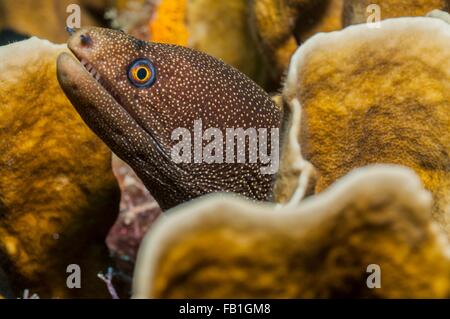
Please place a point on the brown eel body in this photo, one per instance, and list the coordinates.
(137, 120)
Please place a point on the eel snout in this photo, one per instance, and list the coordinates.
(68, 71)
(81, 43)
(81, 70)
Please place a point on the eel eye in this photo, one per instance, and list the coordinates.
(142, 73)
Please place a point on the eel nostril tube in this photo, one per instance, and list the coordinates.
(85, 40)
(70, 30)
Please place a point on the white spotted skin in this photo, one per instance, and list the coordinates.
(137, 123)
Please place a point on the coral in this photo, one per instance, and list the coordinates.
(376, 96)
(257, 37)
(202, 25)
(353, 99)
(224, 247)
(439, 14)
(46, 18)
(132, 16)
(169, 23)
(188, 83)
(220, 28)
(355, 11)
(26, 295)
(58, 195)
(279, 26)
(107, 278)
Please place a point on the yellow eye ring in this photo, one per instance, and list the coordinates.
(142, 73)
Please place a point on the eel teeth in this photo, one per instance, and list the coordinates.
(90, 68)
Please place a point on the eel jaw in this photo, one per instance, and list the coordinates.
(99, 108)
(89, 97)
(83, 85)
(75, 77)
(96, 105)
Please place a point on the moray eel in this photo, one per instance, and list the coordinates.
(133, 94)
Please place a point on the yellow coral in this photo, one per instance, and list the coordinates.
(45, 18)
(58, 195)
(220, 28)
(376, 96)
(223, 247)
(169, 24)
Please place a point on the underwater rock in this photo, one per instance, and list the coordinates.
(327, 246)
(58, 195)
(356, 11)
(47, 18)
(280, 26)
(362, 96)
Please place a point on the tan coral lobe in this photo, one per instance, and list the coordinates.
(376, 96)
(223, 247)
(280, 26)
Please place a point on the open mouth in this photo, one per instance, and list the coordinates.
(107, 88)
(90, 68)
(96, 75)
